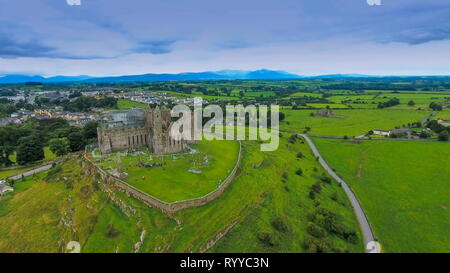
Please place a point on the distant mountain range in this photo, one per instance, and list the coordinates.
(262, 74)
(10, 79)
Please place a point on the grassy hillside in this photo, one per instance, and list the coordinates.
(403, 187)
(47, 211)
(268, 208)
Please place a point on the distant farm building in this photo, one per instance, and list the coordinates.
(443, 122)
(381, 132)
(327, 113)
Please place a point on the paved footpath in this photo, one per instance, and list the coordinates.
(369, 239)
(31, 172)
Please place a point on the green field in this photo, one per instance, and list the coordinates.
(323, 105)
(355, 123)
(173, 181)
(127, 104)
(423, 98)
(301, 95)
(444, 114)
(198, 95)
(403, 188)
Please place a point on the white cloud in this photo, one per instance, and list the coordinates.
(74, 2)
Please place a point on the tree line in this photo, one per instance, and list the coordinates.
(28, 139)
(80, 104)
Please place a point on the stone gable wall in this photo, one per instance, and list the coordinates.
(155, 135)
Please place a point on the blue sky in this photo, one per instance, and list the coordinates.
(308, 37)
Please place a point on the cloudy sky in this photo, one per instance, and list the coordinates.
(308, 37)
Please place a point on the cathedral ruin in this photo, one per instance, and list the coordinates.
(136, 127)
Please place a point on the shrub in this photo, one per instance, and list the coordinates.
(351, 237)
(312, 195)
(325, 179)
(299, 172)
(53, 172)
(316, 231)
(334, 197)
(280, 224)
(267, 238)
(112, 232)
(332, 223)
(316, 187)
(85, 192)
(424, 134)
(316, 245)
(443, 136)
(292, 139)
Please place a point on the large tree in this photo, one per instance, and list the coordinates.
(444, 135)
(77, 142)
(30, 150)
(90, 130)
(59, 146)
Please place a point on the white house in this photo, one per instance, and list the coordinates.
(381, 132)
(445, 123)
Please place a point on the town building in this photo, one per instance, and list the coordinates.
(379, 132)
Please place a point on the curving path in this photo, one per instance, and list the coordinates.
(31, 172)
(369, 240)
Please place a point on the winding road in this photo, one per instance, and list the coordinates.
(369, 240)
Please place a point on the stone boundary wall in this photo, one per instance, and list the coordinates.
(155, 202)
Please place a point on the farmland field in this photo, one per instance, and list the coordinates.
(196, 94)
(445, 114)
(355, 122)
(301, 94)
(403, 188)
(127, 104)
(418, 98)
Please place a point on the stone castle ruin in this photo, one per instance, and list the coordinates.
(327, 113)
(136, 127)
